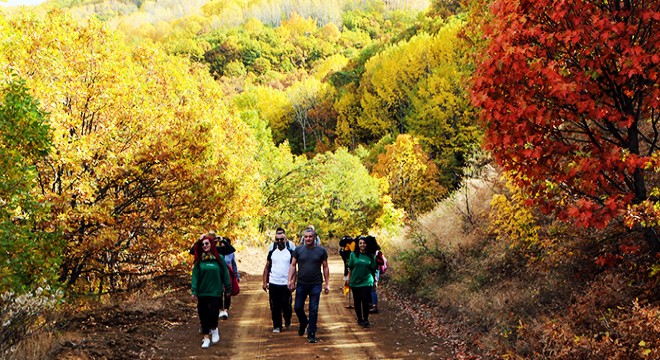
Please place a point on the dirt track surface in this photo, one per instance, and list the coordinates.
(173, 331)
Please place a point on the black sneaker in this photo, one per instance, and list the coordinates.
(301, 329)
(365, 324)
(360, 322)
(287, 325)
(373, 310)
(311, 337)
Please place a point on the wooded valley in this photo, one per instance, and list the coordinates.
(502, 152)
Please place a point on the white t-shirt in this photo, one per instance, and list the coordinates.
(280, 262)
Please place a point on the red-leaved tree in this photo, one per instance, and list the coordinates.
(570, 97)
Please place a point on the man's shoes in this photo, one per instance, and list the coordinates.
(366, 324)
(373, 310)
(360, 322)
(223, 315)
(276, 330)
(215, 336)
(206, 343)
(311, 337)
(301, 329)
(287, 325)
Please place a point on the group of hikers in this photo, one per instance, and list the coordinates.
(302, 269)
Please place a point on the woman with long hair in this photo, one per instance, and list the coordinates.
(209, 277)
(361, 273)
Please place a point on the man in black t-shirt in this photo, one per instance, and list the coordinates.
(309, 259)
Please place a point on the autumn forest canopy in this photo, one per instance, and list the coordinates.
(128, 128)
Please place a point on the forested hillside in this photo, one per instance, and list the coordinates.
(502, 152)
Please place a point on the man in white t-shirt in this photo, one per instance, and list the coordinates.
(289, 244)
(275, 281)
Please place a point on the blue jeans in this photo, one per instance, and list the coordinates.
(374, 295)
(314, 293)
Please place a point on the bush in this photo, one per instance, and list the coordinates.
(24, 315)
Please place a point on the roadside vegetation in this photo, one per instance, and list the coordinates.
(508, 170)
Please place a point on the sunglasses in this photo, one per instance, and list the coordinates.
(279, 239)
(206, 243)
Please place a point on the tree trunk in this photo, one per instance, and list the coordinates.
(652, 238)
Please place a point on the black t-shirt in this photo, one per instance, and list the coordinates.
(310, 261)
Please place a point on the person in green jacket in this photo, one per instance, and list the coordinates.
(209, 277)
(361, 272)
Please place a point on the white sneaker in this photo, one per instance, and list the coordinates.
(223, 315)
(215, 336)
(206, 343)
(276, 330)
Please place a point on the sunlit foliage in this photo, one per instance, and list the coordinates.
(143, 149)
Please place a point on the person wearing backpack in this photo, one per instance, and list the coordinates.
(346, 247)
(229, 252)
(374, 248)
(209, 277)
(289, 244)
(275, 282)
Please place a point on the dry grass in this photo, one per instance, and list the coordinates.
(34, 347)
(548, 300)
(451, 224)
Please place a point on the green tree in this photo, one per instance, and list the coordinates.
(29, 249)
(351, 196)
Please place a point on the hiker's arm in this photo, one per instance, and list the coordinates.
(326, 274)
(266, 276)
(292, 274)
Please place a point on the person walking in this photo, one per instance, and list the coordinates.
(361, 279)
(307, 280)
(229, 252)
(317, 241)
(374, 248)
(275, 282)
(209, 278)
(289, 244)
(346, 247)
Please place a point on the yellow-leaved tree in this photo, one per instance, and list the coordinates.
(411, 176)
(418, 87)
(145, 155)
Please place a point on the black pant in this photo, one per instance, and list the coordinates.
(225, 302)
(362, 302)
(280, 304)
(208, 309)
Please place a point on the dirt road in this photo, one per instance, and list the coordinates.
(247, 334)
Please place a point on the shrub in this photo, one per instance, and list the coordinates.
(24, 315)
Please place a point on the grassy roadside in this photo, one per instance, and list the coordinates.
(529, 287)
